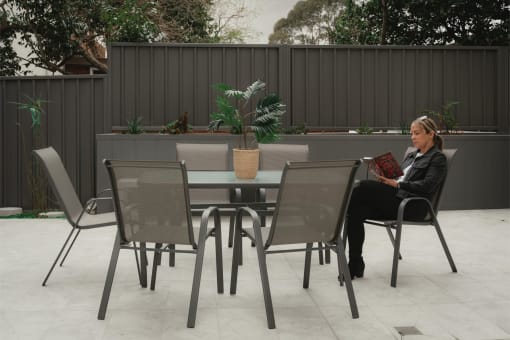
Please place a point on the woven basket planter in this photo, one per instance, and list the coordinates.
(246, 163)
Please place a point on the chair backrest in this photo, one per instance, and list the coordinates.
(312, 201)
(436, 198)
(275, 156)
(205, 157)
(60, 183)
(151, 201)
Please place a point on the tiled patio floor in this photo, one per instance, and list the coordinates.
(472, 304)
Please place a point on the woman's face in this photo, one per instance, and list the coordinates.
(420, 138)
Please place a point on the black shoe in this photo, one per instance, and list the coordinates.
(356, 267)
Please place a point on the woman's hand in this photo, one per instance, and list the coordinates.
(390, 182)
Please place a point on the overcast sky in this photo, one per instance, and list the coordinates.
(265, 14)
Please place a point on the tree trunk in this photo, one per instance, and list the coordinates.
(384, 25)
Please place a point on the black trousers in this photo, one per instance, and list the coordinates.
(378, 201)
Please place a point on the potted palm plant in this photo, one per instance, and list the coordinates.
(263, 121)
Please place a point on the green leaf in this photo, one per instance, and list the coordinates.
(254, 88)
(221, 87)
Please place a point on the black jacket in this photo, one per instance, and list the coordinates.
(425, 175)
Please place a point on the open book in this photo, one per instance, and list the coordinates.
(384, 165)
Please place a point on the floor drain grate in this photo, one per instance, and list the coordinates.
(408, 330)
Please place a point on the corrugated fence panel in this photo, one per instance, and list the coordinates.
(327, 87)
(162, 81)
(299, 82)
(74, 114)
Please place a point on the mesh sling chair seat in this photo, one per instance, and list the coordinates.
(430, 219)
(78, 215)
(151, 203)
(208, 157)
(274, 157)
(311, 206)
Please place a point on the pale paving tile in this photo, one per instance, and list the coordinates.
(464, 289)
(7, 330)
(367, 326)
(206, 326)
(441, 304)
(409, 316)
(245, 323)
(496, 313)
(464, 323)
(135, 324)
(79, 325)
(304, 322)
(32, 324)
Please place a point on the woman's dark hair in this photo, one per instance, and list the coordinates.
(429, 125)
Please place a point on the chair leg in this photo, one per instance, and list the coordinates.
(344, 236)
(58, 256)
(445, 246)
(343, 268)
(396, 253)
(192, 313)
(235, 257)
(392, 239)
(70, 246)
(241, 246)
(264, 277)
(321, 253)
(109, 278)
(343, 271)
(171, 255)
(308, 259)
(137, 263)
(231, 230)
(327, 256)
(143, 266)
(155, 263)
(219, 254)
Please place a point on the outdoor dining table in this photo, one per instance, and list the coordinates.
(214, 179)
(227, 179)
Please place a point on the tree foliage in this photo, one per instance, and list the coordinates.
(184, 20)
(424, 22)
(228, 23)
(58, 30)
(309, 22)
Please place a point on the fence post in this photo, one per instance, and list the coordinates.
(503, 88)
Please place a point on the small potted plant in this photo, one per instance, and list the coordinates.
(264, 121)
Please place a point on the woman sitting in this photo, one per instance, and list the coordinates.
(424, 170)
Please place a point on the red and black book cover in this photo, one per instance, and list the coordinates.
(385, 165)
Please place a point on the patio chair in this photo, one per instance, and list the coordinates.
(208, 157)
(78, 215)
(429, 220)
(151, 203)
(274, 157)
(311, 206)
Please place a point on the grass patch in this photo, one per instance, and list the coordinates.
(28, 214)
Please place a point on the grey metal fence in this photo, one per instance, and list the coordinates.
(74, 114)
(341, 87)
(326, 87)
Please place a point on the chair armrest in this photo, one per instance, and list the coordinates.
(91, 204)
(108, 190)
(235, 195)
(261, 195)
(207, 213)
(405, 201)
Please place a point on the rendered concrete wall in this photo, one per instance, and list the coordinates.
(478, 179)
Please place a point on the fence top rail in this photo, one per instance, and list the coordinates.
(361, 47)
(63, 77)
